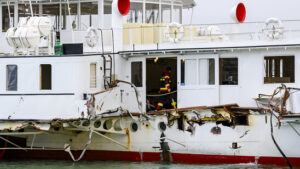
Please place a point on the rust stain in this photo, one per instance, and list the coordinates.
(128, 138)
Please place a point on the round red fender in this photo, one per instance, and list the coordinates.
(124, 6)
(240, 12)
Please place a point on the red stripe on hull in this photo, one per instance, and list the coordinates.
(147, 156)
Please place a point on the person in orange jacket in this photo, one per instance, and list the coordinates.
(165, 88)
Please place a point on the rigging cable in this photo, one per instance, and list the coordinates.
(277, 146)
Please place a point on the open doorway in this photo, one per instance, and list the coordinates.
(155, 70)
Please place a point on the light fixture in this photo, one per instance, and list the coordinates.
(156, 59)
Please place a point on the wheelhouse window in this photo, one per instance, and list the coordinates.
(52, 11)
(198, 72)
(152, 13)
(93, 75)
(137, 73)
(279, 69)
(228, 71)
(136, 13)
(24, 10)
(7, 21)
(177, 14)
(11, 77)
(46, 77)
(89, 14)
(165, 13)
(69, 21)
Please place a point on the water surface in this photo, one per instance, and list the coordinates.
(67, 164)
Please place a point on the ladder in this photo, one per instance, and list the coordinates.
(107, 70)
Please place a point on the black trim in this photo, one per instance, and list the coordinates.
(38, 94)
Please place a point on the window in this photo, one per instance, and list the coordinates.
(177, 10)
(93, 75)
(89, 15)
(189, 67)
(204, 69)
(11, 77)
(279, 69)
(24, 10)
(165, 13)
(136, 73)
(46, 77)
(52, 11)
(136, 13)
(152, 13)
(7, 21)
(69, 21)
(228, 71)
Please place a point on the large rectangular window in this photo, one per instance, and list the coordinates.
(165, 13)
(279, 69)
(152, 13)
(52, 11)
(89, 15)
(46, 77)
(93, 75)
(69, 21)
(11, 77)
(137, 73)
(7, 21)
(24, 10)
(136, 13)
(204, 69)
(228, 71)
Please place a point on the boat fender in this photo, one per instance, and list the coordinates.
(92, 37)
(178, 36)
(273, 28)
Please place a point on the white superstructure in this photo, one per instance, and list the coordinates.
(123, 51)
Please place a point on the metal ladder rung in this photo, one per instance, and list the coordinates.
(107, 77)
(107, 60)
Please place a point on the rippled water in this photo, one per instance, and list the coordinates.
(61, 164)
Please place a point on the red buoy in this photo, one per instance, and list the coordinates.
(124, 6)
(240, 12)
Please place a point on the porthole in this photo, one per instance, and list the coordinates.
(107, 124)
(86, 123)
(97, 124)
(134, 127)
(162, 126)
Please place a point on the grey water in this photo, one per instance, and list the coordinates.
(66, 164)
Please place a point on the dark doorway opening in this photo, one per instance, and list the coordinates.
(155, 68)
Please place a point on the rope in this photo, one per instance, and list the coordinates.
(158, 95)
(68, 148)
(277, 146)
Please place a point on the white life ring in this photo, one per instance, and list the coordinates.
(180, 33)
(92, 37)
(276, 29)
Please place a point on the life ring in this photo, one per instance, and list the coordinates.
(92, 37)
(274, 32)
(180, 33)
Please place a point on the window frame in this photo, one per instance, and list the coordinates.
(93, 63)
(198, 58)
(7, 89)
(41, 77)
(141, 73)
(279, 79)
(221, 71)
